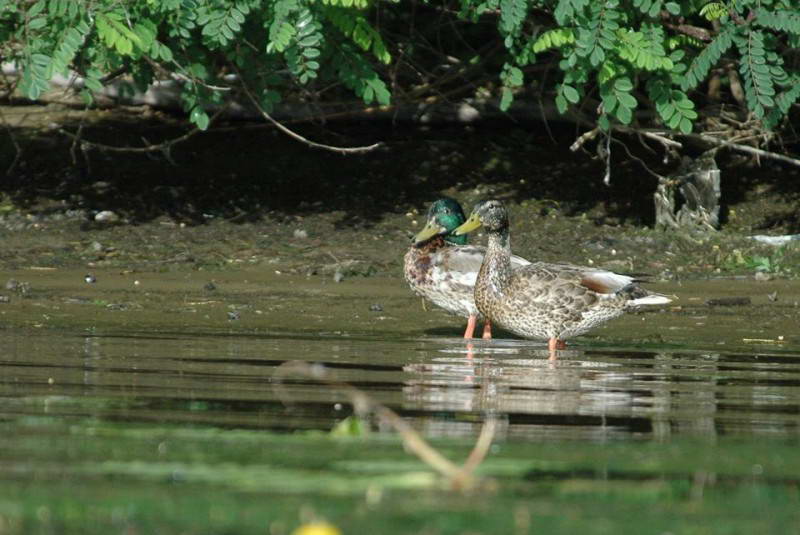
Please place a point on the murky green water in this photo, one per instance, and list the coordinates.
(140, 404)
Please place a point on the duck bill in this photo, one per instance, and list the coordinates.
(468, 226)
(430, 230)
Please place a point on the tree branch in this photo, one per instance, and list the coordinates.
(164, 147)
(295, 135)
(17, 147)
(745, 148)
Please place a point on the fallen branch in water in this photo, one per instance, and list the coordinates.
(457, 477)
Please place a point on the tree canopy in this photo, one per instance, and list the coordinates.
(676, 66)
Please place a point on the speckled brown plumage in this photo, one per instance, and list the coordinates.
(541, 300)
(442, 272)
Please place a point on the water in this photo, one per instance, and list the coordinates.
(440, 384)
(168, 416)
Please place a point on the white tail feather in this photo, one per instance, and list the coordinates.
(652, 299)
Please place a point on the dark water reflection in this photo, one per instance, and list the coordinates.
(441, 385)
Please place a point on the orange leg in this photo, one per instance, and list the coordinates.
(487, 330)
(471, 321)
(553, 345)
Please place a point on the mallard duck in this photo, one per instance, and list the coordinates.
(545, 301)
(442, 268)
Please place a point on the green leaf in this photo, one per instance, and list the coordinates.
(311, 40)
(237, 15)
(87, 97)
(561, 104)
(674, 121)
(39, 22)
(570, 93)
(623, 84)
(597, 56)
(627, 100)
(92, 83)
(36, 8)
(506, 98)
(625, 115)
(667, 112)
(165, 53)
(40, 59)
(199, 117)
(609, 103)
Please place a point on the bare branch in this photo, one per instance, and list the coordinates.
(746, 148)
(656, 135)
(583, 138)
(692, 31)
(164, 147)
(295, 135)
(459, 477)
(17, 147)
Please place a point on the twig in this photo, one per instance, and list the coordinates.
(661, 137)
(481, 448)
(459, 477)
(180, 77)
(607, 175)
(164, 147)
(641, 162)
(295, 135)
(17, 147)
(76, 141)
(746, 148)
(584, 138)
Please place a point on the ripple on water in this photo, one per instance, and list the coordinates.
(444, 386)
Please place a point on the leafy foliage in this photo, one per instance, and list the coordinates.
(617, 49)
(278, 45)
(708, 58)
(657, 62)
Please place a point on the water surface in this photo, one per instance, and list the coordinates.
(171, 415)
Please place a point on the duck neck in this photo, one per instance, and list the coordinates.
(496, 266)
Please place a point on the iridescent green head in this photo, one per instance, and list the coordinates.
(444, 216)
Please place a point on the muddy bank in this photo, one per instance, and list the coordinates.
(243, 195)
(245, 301)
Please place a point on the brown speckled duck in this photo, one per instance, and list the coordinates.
(545, 301)
(443, 269)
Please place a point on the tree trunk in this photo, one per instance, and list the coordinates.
(698, 191)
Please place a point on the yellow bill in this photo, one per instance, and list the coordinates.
(468, 226)
(429, 231)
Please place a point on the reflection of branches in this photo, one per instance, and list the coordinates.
(461, 478)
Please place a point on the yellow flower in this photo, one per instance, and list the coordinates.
(317, 528)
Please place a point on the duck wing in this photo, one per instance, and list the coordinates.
(601, 284)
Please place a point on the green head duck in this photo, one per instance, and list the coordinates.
(444, 216)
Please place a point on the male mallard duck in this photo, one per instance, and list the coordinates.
(545, 301)
(442, 268)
